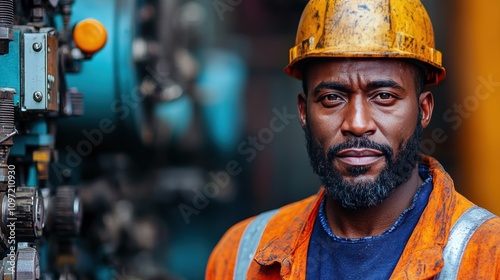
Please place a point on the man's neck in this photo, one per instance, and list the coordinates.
(372, 221)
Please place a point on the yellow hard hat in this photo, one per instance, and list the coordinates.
(367, 28)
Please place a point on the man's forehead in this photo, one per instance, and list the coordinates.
(357, 63)
(346, 67)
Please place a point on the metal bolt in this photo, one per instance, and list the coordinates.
(37, 46)
(37, 96)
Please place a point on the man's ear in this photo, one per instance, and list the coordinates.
(426, 101)
(302, 107)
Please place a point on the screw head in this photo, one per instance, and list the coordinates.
(37, 96)
(37, 46)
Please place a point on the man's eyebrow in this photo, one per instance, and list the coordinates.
(384, 83)
(331, 85)
(345, 88)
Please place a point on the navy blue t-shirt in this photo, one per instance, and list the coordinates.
(372, 257)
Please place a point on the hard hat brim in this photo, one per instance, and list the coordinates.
(435, 72)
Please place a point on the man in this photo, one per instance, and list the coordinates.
(384, 211)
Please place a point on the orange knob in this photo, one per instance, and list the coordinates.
(90, 36)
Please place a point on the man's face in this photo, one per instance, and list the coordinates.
(363, 126)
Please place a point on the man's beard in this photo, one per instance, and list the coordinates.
(369, 193)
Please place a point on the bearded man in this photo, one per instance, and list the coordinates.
(385, 211)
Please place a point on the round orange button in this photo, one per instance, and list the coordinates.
(90, 36)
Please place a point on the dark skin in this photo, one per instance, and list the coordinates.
(373, 98)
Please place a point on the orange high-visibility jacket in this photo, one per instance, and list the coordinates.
(281, 251)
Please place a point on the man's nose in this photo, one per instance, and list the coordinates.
(358, 119)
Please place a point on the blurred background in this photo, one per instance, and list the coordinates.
(184, 123)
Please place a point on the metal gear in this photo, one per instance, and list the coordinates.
(67, 212)
(29, 213)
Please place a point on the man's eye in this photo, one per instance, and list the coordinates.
(332, 97)
(385, 95)
(331, 100)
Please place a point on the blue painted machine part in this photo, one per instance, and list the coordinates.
(39, 127)
(175, 116)
(25, 144)
(38, 137)
(32, 180)
(222, 82)
(108, 81)
(10, 72)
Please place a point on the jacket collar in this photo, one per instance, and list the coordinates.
(423, 254)
(283, 243)
(422, 257)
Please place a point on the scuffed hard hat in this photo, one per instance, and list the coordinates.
(366, 28)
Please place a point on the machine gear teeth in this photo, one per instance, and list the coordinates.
(29, 213)
(67, 212)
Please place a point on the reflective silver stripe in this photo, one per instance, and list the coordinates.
(249, 242)
(460, 235)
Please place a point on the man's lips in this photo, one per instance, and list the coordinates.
(359, 157)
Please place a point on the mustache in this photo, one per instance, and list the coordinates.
(359, 143)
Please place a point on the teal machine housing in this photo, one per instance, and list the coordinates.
(111, 84)
(108, 108)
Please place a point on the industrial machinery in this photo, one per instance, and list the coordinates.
(35, 55)
(86, 88)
